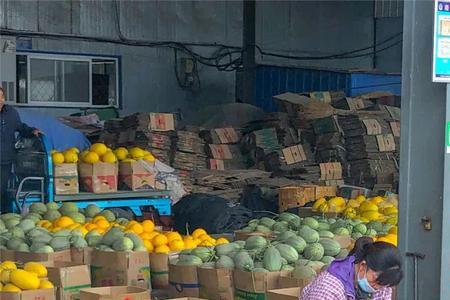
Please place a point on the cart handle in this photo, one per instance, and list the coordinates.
(24, 202)
(19, 192)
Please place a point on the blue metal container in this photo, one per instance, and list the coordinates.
(274, 80)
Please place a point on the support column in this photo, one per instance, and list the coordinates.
(445, 257)
(248, 43)
(422, 158)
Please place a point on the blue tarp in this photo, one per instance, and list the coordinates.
(59, 135)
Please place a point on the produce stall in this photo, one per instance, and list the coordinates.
(280, 189)
(82, 242)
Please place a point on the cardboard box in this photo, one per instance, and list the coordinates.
(135, 176)
(120, 268)
(7, 255)
(345, 241)
(42, 257)
(159, 268)
(284, 294)
(66, 179)
(351, 192)
(220, 151)
(332, 182)
(81, 256)
(44, 294)
(395, 128)
(308, 212)
(330, 171)
(115, 293)
(386, 142)
(291, 102)
(294, 154)
(227, 135)
(183, 281)
(68, 279)
(162, 122)
(325, 191)
(289, 282)
(295, 196)
(187, 298)
(325, 124)
(99, 177)
(216, 284)
(251, 286)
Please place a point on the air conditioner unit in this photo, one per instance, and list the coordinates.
(8, 68)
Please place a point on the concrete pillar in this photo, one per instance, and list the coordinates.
(422, 156)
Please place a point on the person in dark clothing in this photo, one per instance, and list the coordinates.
(10, 123)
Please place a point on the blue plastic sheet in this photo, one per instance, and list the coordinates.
(59, 135)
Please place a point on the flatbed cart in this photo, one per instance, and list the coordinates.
(33, 182)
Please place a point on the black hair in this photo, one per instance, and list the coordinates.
(381, 257)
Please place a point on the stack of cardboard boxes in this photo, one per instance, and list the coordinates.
(66, 179)
(73, 271)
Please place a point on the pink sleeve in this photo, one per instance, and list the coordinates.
(384, 294)
(324, 287)
(320, 295)
(388, 294)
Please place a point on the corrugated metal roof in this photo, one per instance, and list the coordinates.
(22, 15)
(2, 13)
(140, 20)
(97, 18)
(55, 16)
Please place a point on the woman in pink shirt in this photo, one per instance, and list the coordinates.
(368, 272)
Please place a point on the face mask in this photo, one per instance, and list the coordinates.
(364, 284)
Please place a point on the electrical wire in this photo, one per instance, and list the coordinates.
(223, 51)
(225, 58)
(184, 47)
(333, 56)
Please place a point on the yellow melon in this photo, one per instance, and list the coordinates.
(176, 245)
(45, 284)
(11, 288)
(159, 240)
(24, 280)
(109, 157)
(221, 241)
(5, 276)
(39, 269)
(58, 158)
(172, 235)
(8, 265)
(70, 157)
(99, 148)
(136, 153)
(368, 206)
(121, 153)
(198, 232)
(91, 157)
(148, 226)
(162, 249)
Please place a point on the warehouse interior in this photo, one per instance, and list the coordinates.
(213, 62)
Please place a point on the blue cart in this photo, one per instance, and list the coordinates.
(33, 182)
